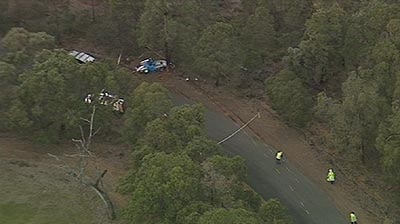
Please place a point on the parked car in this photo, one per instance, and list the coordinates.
(149, 66)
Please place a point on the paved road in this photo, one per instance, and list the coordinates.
(305, 201)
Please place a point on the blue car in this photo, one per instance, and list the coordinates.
(149, 66)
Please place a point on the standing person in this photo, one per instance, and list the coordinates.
(279, 156)
(353, 218)
(331, 177)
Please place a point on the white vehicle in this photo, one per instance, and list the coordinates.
(82, 57)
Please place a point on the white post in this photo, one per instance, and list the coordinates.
(119, 59)
(235, 132)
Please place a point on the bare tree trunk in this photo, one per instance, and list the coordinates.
(84, 152)
(166, 47)
(93, 12)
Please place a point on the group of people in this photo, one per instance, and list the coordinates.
(331, 177)
(106, 98)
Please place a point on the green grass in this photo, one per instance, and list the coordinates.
(13, 213)
(31, 195)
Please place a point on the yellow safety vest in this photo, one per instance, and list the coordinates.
(279, 155)
(331, 176)
(353, 218)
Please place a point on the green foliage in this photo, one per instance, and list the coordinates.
(232, 216)
(45, 99)
(218, 52)
(290, 18)
(8, 89)
(230, 166)
(4, 19)
(192, 213)
(365, 29)
(187, 122)
(116, 30)
(158, 138)
(50, 96)
(18, 39)
(274, 212)
(290, 98)
(22, 45)
(259, 38)
(8, 74)
(148, 102)
(355, 121)
(165, 184)
(166, 25)
(223, 180)
(388, 144)
(319, 57)
(393, 27)
(200, 148)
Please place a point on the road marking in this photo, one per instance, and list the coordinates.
(266, 155)
(291, 188)
(297, 180)
(271, 150)
(302, 204)
(287, 168)
(307, 212)
(277, 171)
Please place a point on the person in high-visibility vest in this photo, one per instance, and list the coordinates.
(353, 218)
(331, 177)
(279, 156)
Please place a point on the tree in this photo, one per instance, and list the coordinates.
(163, 22)
(290, 98)
(259, 38)
(393, 27)
(4, 20)
(8, 74)
(384, 59)
(117, 28)
(274, 212)
(218, 52)
(148, 102)
(356, 120)
(365, 29)
(201, 148)
(232, 216)
(222, 178)
(51, 95)
(187, 122)
(18, 39)
(84, 153)
(8, 90)
(192, 213)
(290, 18)
(22, 46)
(320, 56)
(387, 143)
(164, 185)
(158, 138)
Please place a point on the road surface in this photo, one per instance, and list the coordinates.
(306, 202)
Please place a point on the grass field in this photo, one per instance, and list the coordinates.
(41, 194)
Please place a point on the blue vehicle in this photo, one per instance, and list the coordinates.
(149, 66)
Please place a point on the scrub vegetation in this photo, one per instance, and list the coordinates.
(335, 65)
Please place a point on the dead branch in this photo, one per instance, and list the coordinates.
(84, 152)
